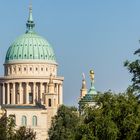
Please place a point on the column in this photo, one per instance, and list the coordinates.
(8, 94)
(57, 94)
(60, 94)
(41, 89)
(34, 97)
(3, 93)
(13, 94)
(46, 88)
(20, 94)
(27, 94)
(37, 92)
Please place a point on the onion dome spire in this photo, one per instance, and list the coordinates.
(30, 22)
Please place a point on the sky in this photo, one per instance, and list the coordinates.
(85, 34)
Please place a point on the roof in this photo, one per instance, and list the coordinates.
(22, 107)
(89, 97)
(30, 46)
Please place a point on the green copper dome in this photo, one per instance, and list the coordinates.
(30, 46)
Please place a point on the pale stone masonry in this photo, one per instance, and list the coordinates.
(30, 89)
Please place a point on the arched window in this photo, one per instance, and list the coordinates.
(24, 121)
(34, 120)
(49, 103)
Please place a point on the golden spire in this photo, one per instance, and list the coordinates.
(91, 74)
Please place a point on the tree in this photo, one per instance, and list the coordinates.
(24, 133)
(3, 128)
(116, 118)
(9, 132)
(64, 124)
(134, 68)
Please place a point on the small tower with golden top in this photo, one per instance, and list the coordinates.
(87, 98)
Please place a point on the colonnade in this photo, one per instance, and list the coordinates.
(28, 93)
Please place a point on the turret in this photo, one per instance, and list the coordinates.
(83, 89)
(87, 98)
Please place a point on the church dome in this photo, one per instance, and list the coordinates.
(30, 46)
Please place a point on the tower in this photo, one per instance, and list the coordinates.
(30, 88)
(87, 99)
(84, 88)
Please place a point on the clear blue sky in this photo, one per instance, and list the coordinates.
(85, 34)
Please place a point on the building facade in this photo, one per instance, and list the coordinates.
(30, 89)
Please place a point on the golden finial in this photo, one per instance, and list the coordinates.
(91, 74)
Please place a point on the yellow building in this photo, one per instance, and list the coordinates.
(30, 88)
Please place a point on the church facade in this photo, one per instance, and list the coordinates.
(30, 89)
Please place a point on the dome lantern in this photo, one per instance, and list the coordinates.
(30, 22)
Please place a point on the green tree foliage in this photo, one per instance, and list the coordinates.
(24, 133)
(3, 128)
(8, 131)
(134, 68)
(116, 118)
(64, 124)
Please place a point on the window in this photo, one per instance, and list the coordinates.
(30, 98)
(34, 120)
(50, 103)
(30, 68)
(24, 68)
(24, 121)
(41, 69)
